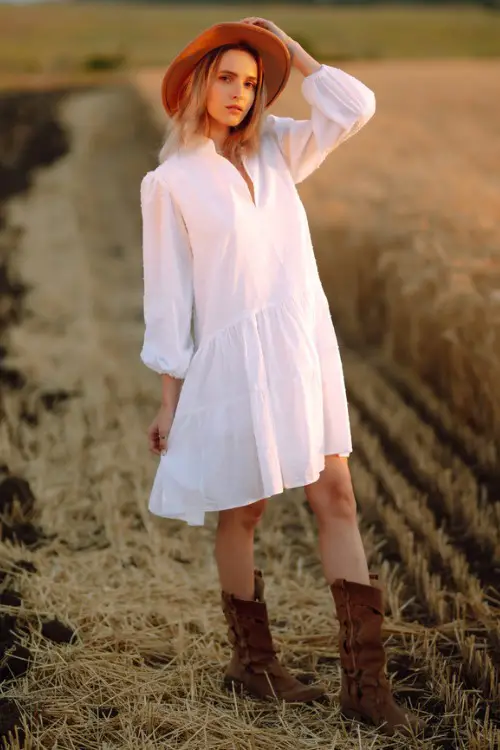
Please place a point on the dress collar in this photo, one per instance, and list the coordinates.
(207, 144)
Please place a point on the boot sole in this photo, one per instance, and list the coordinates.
(230, 683)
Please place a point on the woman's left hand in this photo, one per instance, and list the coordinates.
(269, 26)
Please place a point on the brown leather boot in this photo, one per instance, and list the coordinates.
(365, 693)
(254, 664)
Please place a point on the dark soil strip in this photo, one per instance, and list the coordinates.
(479, 558)
(30, 137)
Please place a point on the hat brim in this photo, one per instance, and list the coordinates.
(275, 56)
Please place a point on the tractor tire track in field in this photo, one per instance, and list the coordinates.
(426, 489)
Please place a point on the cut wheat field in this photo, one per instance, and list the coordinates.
(112, 631)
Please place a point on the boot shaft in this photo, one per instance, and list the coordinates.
(248, 626)
(360, 613)
(254, 663)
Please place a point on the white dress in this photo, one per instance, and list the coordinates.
(234, 305)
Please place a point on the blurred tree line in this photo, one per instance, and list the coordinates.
(494, 4)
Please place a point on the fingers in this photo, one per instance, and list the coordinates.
(159, 449)
(255, 20)
(263, 23)
(154, 447)
(157, 445)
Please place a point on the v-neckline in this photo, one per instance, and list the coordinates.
(251, 192)
(253, 198)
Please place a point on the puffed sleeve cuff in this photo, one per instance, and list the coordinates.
(153, 359)
(168, 282)
(339, 96)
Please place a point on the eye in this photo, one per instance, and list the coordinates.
(252, 84)
(224, 78)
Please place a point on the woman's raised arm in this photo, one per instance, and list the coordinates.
(340, 106)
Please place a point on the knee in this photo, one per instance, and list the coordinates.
(248, 516)
(333, 501)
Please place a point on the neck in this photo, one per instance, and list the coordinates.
(218, 133)
(219, 138)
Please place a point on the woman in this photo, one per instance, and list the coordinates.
(238, 325)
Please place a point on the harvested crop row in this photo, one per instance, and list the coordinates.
(476, 450)
(470, 520)
(449, 631)
(427, 585)
(412, 504)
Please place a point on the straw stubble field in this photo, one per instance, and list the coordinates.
(116, 611)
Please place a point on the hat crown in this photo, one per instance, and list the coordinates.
(275, 57)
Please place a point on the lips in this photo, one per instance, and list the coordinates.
(234, 108)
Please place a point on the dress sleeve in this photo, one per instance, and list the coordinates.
(168, 281)
(340, 106)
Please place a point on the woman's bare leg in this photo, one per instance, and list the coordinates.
(332, 500)
(234, 548)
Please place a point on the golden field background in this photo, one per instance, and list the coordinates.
(64, 36)
(405, 227)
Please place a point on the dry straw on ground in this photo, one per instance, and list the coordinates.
(141, 594)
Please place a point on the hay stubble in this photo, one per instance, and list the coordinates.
(140, 593)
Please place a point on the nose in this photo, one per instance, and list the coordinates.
(238, 91)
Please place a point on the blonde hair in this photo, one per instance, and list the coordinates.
(192, 120)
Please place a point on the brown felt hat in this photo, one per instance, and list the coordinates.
(274, 53)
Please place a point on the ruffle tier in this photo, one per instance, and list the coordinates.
(263, 402)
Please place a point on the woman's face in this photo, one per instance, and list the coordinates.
(235, 83)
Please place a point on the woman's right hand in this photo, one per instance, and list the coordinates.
(159, 429)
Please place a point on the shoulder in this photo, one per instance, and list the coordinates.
(159, 180)
(273, 129)
(271, 139)
(163, 174)
(274, 126)
(170, 173)
(268, 129)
